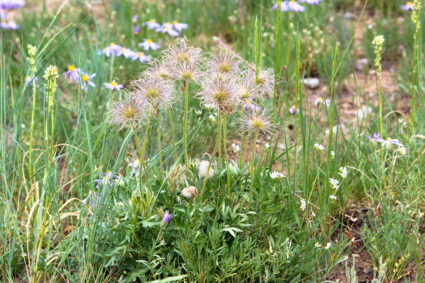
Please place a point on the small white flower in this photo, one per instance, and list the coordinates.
(333, 154)
(276, 175)
(334, 183)
(236, 148)
(332, 197)
(328, 245)
(343, 172)
(302, 204)
(401, 151)
(212, 118)
(203, 168)
(198, 112)
(363, 112)
(317, 245)
(319, 147)
(267, 145)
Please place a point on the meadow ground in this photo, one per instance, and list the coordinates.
(212, 141)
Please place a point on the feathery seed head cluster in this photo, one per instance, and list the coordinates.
(156, 91)
(182, 52)
(264, 81)
(247, 89)
(220, 92)
(257, 122)
(223, 62)
(186, 71)
(127, 112)
(158, 69)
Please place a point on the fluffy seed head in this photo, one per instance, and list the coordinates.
(159, 70)
(247, 89)
(223, 62)
(154, 90)
(220, 92)
(264, 81)
(257, 122)
(187, 71)
(181, 52)
(126, 112)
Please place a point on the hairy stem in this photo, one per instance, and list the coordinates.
(159, 145)
(251, 166)
(172, 133)
(226, 155)
(186, 105)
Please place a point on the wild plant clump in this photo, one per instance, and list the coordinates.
(212, 141)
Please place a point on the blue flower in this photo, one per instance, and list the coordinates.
(106, 179)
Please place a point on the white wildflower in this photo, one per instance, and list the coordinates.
(302, 204)
(276, 175)
(343, 172)
(236, 148)
(319, 147)
(334, 183)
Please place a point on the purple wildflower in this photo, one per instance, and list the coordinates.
(111, 50)
(287, 6)
(376, 138)
(135, 166)
(168, 28)
(11, 4)
(389, 142)
(29, 80)
(292, 110)
(114, 86)
(106, 179)
(136, 30)
(73, 74)
(319, 100)
(179, 26)
(407, 7)
(311, 2)
(149, 44)
(86, 80)
(152, 24)
(167, 217)
(8, 25)
(141, 57)
(93, 198)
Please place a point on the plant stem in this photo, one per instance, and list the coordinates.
(257, 49)
(139, 149)
(412, 91)
(172, 133)
(226, 155)
(34, 101)
(219, 137)
(186, 104)
(241, 149)
(159, 145)
(142, 156)
(213, 155)
(142, 152)
(251, 166)
(276, 70)
(381, 129)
